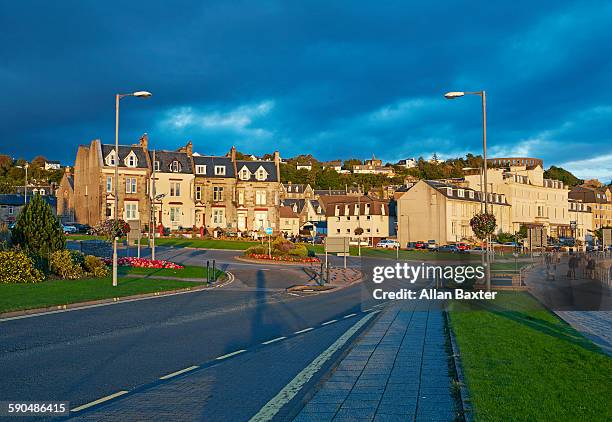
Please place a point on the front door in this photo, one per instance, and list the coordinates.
(242, 222)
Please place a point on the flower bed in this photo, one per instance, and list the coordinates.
(143, 263)
(283, 258)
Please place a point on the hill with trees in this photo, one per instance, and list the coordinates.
(558, 173)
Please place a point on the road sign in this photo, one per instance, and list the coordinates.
(336, 244)
(536, 237)
(268, 231)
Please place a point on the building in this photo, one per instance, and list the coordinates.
(408, 163)
(214, 193)
(334, 165)
(535, 201)
(346, 213)
(304, 166)
(581, 220)
(508, 162)
(433, 210)
(296, 191)
(65, 197)
(174, 188)
(599, 199)
(12, 204)
(289, 221)
(52, 165)
(94, 182)
(373, 166)
(258, 190)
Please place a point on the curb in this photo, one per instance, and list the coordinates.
(466, 408)
(90, 303)
(271, 262)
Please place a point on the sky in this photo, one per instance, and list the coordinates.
(337, 79)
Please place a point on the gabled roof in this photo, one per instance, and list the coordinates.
(295, 187)
(294, 203)
(329, 203)
(210, 162)
(166, 158)
(451, 191)
(124, 151)
(253, 166)
(287, 212)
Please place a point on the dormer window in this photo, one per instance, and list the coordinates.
(260, 174)
(200, 169)
(175, 166)
(156, 165)
(131, 160)
(219, 170)
(460, 193)
(471, 194)
(244, 174)
(110, 158)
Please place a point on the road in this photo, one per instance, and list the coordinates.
(84, 355)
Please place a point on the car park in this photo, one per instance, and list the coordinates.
(81, 228)
(448, 248)
(421, 244)
(411, 246)
(69, 229)
(432, 245)
(388, 243)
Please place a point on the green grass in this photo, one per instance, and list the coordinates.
(60, 292)
(522, 363)
(83, 237)
(190, 271)
(206, 243)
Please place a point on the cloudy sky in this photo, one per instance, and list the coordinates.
(335, 79)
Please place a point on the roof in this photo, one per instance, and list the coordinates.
(17, 200)
(287, 212)
(211, 161)
(321, 192)
(295, 187)
(253, 166)
(443, 188)
(124, 151)
(329, 203)
(166, 158)
(297, 204)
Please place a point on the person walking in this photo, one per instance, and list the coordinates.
(573, 262)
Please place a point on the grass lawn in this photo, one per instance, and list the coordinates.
(60, 292)
(522, 363)
(189, 271)
(206, 243)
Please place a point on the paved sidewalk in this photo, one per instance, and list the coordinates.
(594, 325)
(397, 371)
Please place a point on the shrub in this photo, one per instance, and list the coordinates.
(62, 264)
(95, 266)
(37, 230)
(17, 267)
(299, 250)
(255, 250)
(311, 253)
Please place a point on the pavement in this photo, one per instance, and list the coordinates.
(398, 370)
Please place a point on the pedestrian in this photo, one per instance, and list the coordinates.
(591, 268)
(571, 273)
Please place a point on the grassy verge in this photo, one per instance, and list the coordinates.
(206, 243)
(60, 292)
(523, 363)
(189, 271)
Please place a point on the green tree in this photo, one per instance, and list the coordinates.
(37, 230)
(565, 176)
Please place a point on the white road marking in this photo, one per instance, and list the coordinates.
(330, 322)
(379, 305)
(349, 315)
(182, 371)
(101, 400)
(304, 330)
(367, 310)
(231, 354)
(271, 408)
(274, 340)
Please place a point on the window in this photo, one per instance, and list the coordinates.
(218, 215)
(200, 169)
(175, 214)
(156, 165)
(260, 197)
(241, 197)
(130, 185)
(11, 210)
(109, 184)
(110, 159)
(217, 193)
(131, 210)
(175, 167)
(41, 192)
(245, 174)
(198, 193)
(219, 170)
(175, 189)
(131, 160)
(261, 174)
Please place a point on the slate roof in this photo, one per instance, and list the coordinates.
(287, 212)
(210, 162)
(166, 158)
(17, 200)
(269, 167)
(298, 203)
(295, 187)
(443, 189)
(124, 151)
(329, 203)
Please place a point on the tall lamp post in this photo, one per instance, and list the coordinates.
(25, 184)
(118, 97)
(457, 94)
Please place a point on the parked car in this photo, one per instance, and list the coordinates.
(69, 229)
(388, 243)
(411, 246)
(81, 228)
(448, 248)
(432, 245)
(463, 247)
(420, 244)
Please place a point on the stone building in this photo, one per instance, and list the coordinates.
(289, 221)
(65, 197)
(581, 220)
(296, 191)
(599, 199)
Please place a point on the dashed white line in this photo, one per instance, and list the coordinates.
(330, 322)
(304, 330)
(231, 354)
(349, 315)
(274, 340)
(182, 371)
(100, 400)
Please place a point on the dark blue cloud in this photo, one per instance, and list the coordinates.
(338, 80)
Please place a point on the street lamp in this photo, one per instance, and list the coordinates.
(141, 94)
(452, 96)
(25, 185)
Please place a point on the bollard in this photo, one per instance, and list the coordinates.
(207, 272)
(327, 265)
(321, 280)
(214, 272)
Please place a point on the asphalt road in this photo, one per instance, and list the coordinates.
(83, 355)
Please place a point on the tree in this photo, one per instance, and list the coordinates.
(483, 225)
(37, 230)
(565, 176)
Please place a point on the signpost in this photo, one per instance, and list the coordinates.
(339, 245)
(269, 231)
(135, 234)
(606, 238)
(535, 238)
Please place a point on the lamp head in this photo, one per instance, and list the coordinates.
(453, 94)
(143, 94)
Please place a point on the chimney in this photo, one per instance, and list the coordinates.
(233, 153)
(144, 141)
(277, 157)
(277, 165)
(189, 148)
